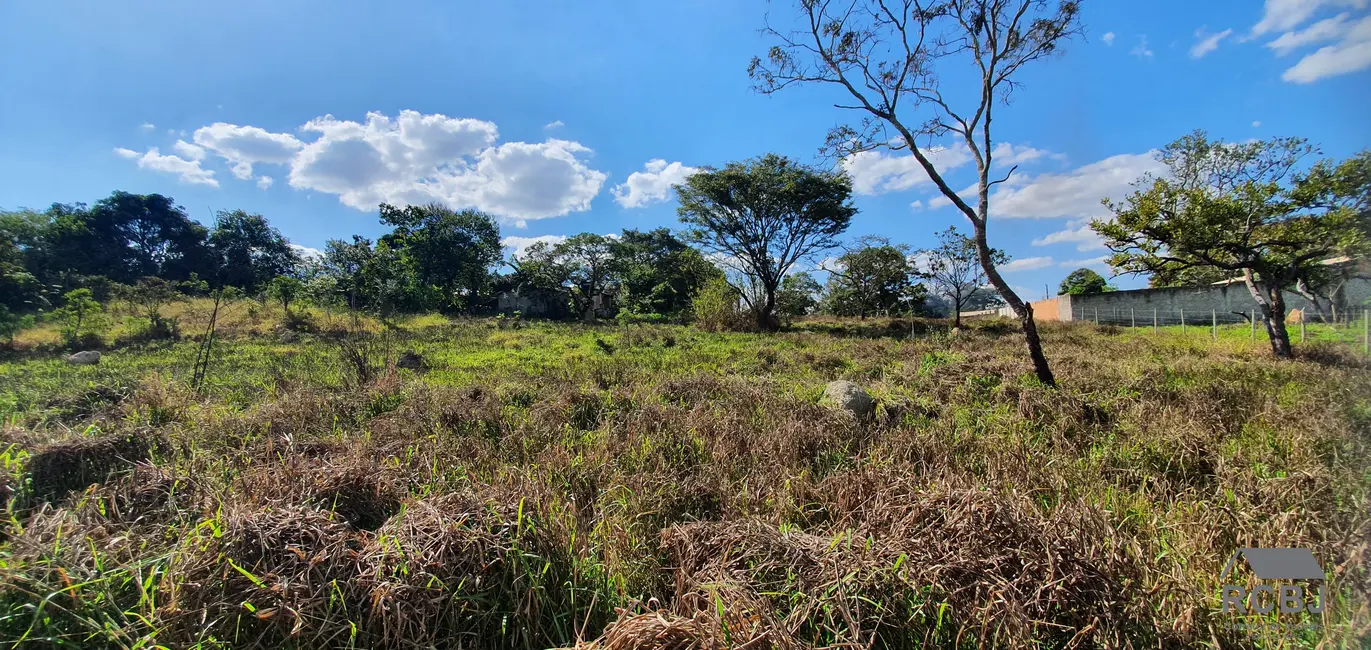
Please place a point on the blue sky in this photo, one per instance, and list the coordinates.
(551, 114)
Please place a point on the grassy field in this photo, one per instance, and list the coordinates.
(556, 485)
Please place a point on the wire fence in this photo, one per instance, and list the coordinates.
(1348, 326)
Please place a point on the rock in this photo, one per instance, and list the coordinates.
(411, 361)
(85, 358)
(849, 397)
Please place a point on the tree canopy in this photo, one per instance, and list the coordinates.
(759, 217)
(955, 270)
(1083, 281)
(873, 277)
(1247, 209)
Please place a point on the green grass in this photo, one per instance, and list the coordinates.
(533, 480)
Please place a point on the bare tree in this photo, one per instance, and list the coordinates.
(884, 54)
(954, 269)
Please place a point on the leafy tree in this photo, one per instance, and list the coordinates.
(761, 216)
(346, 263)
(955, 269)
(797, 295)
(1083, 281)
(1246, 209)
(250, 251)
(451, 252)
(658, 273)
(12, 323)
(887, 54)
(285, 290)
(872, 277)
(80, 317)
(150, 294)
(582, 264)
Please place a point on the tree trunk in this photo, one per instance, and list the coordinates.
(956, 317)
(1313, 298)
(1021, 309)
(1272, 306)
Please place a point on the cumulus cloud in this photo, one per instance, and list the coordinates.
(147, 126)
(1073, 194)
(1206, 42)
(1026, 264)
(189, 171)
(242, 146)
(517, 245)
(878, 172)
(1256, 124)
(652, 185)
(1108, 38)
(1350, 54)
(307, 253)
(1141, 50)
(412, 158)
(1078, 232)
(916, 205)
(188, 150)
(554, 124)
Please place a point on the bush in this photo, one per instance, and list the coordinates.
(12, 323)
(81, 318)
(715, 307)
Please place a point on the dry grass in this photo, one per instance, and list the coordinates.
(675, 489)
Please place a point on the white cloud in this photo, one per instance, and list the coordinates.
(413, 158)
(1280, 15)
(1206, 43)
(651, 185)
(1011, 154)
(242, 146)
(1073, 194)
(878, 172)
(189, 150)
(521, 244)
(968, 193)
(265, 181)
(307, 253)
(1351, 54)
(554, 124)
(189, 171)
(1141, 50)
(418, 158)
(147, 126)
(916, 205)
(1256, 124)
(1076, 264)
(1026, 264)
(1077, 232)
(1324, 30)
(1108, 38)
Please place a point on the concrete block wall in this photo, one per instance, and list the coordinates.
(1197, 302)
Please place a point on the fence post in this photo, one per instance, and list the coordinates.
(1366, 332)
(1182, 322)
(1301, 327)
(1214, 332)
(1254, 326)
(1132, 319)
(1154, 320)
(1097, 315)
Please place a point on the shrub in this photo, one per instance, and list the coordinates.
(715, 307)
(12, 323)
(81, 318)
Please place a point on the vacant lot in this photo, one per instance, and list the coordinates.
(546, 485)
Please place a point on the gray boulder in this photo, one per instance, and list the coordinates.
(850, 397)
(84, 358)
